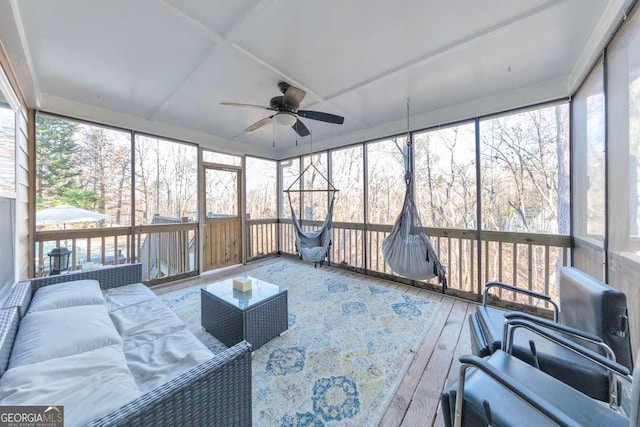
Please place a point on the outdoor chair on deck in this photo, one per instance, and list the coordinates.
(503, 390)
(596, 315)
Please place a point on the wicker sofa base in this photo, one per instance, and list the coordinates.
(214, 393)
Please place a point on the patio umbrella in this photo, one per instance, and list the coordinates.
(64, 214)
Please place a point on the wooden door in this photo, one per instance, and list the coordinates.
(222, 223)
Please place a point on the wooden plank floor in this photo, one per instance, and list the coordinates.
(416, 402)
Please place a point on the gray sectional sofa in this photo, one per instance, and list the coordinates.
(102, 345)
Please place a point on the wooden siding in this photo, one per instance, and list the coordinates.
(24, 180)
(23, 186)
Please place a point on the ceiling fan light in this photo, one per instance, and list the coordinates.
(285, 119)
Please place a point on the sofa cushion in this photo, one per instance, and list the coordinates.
(159, 361)
(144, 322)
(66, 294)
(88, 385)
(124, 296)
(50, 334)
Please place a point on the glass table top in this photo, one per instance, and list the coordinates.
(260, 291)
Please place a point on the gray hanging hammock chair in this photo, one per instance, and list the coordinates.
(313, 246)
(407, 249)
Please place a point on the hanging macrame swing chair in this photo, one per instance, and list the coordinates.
(312, 246)
(407, 249)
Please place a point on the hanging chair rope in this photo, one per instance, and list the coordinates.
(408, 249)
(312, 246)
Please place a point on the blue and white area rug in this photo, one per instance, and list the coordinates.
(348, 347)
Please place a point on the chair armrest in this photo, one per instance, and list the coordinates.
(216, 392)
(588, 354)
(508, 383)
(543, 297)
(608, 364)
(553, 325)
(567, 330)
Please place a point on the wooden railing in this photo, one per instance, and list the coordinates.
(170, 251)
(98, 245)
(262, 238)
(526, 260)
(167, 251)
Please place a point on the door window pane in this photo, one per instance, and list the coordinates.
(221, 198)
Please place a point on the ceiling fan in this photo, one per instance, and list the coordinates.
(287, 113)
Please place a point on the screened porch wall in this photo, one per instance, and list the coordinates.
(606, 240)
(514, 238)
(606, 184)
(623, 151)
(588, 173)
(519, 236)
(486, 219)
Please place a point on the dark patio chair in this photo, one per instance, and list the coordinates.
(595, 312)
(503, 390)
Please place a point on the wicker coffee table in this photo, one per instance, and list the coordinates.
(256, 316)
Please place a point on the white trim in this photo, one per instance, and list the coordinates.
(78, 110)
(194, 22)
(611, 16)
(8, 92)
(17, 16)
(522, 97)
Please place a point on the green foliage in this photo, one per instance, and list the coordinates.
(54, 150)
(77, 196)
(56, 165)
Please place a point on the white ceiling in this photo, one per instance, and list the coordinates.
(164, 66)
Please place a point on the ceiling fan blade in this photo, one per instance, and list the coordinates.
(323, 117)
(293, 96)
(236, 104)
(259, 124)
(300, 128)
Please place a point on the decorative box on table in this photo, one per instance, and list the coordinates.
(242, 284)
